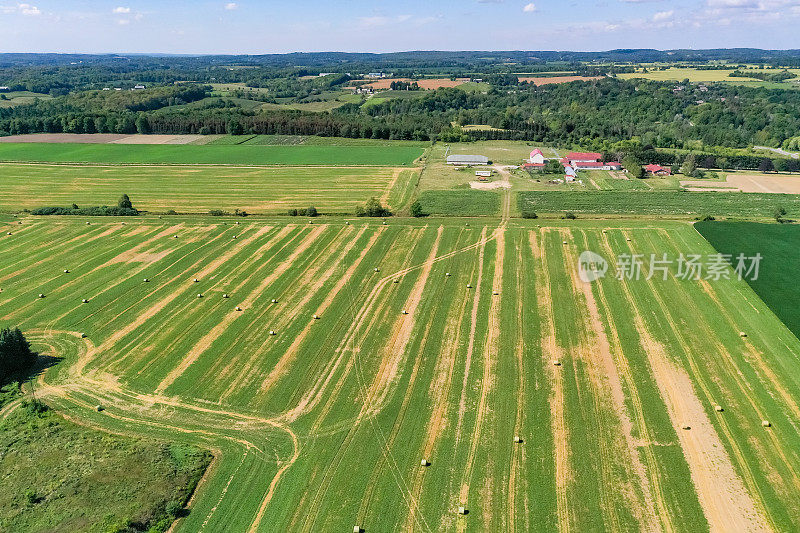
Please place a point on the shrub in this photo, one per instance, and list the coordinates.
(124, 202)
(373, 208)
(292, 212)
(529, 214)
(218, 213)
(102, 211)
(311, 211)
(171, 212)
(706, 218)
(416, 209)
(779, 214)
(569, 215)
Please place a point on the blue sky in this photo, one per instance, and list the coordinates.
(250, 26)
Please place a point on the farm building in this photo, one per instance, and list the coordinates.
(589, 161)
(466, 160)
(658, 170)
(584, 157)
(483, 173)
(537, 158)
(569, 173)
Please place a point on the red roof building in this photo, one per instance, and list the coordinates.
(658, 170)
(584, 157)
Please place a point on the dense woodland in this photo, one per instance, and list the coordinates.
(601, 115)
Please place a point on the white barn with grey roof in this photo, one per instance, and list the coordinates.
(467, 160)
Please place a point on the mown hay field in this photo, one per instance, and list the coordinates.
(319, 155)
(199, 189)
(322, 424)
(661, 203)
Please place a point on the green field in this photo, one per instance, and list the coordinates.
(661, 203)
(707, 76)
(778, 243)
(199, 189)
(210, 154)
(323, 425)
(463, 202)
(52, 467)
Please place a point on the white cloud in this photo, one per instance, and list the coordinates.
(123, 22)
(121, 10)
(22, 9)
(231, 6)
(530, 8)
(663, 15)
(380, 20)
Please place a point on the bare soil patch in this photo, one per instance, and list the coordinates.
(764, 183)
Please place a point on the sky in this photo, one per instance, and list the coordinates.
(258, 27)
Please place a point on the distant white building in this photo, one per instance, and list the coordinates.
(139, 87)
(466, 160)
(483, 173)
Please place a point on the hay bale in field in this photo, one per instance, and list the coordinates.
(41, 295)
(196, 280)
(234, 236)
(686, 427)
(272, 332)
(174, 236)
(718, 408)
(377, 269)
(447, 274)
(199, 295)
(88, 223)
(310, 221)
(315, 317)
(405, 312)
(9, 233)
(356, 529)
(556, 363)
(396, 280)
(765, 423)
(66, 271)
(565, 242)
(496, 293)
(347, 223)
(274, 301)
(85, 301)
(462, 510)
(517, 439)
(225, 296)
(146, 280)
(469, 285)
(99, 408)
(424, 462)
(83, 335)
(237, 223)
(238, 308)
(742, 334)
(384, 223)
(628, 239)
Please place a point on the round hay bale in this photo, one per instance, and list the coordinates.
(496, 293)
(377, 269)
(742, 334)
(469, 285)
(315, 317)
(88, 223)
(274, 301)
(85, 301)
(196, 280)
(238, 308)
(272, 332)
(146, 280)
(66, 271)
(628, 239)
(41, 295)
(447, 274)
(174, 236)
(686, 427)
(718, 408)
(237, 223)
(405, 312)
(225, 296)
(424, 462)
(556, 363)
(310, 221)
(517, 439)
(765, 423)
(234, 236)
(199, 295)
(356, 529)
(99, 408)
(565, 242)
(384, 223)
(83, 335)
(462, 510)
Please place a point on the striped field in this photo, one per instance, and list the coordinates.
(199, 189)
(324, 425)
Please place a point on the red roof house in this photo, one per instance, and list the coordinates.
(584, 157)
(658, 170)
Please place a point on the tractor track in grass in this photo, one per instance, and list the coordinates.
(289, 356)
(518, 456)
(153, 310)
(490, 353)
(208, 339)
(439, 393)
(724, 497)
(550, 353)
(592, 335)
(291, 302)
(373, 397)
(147, 405)
(652, 512)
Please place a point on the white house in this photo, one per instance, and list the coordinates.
(537, 157)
